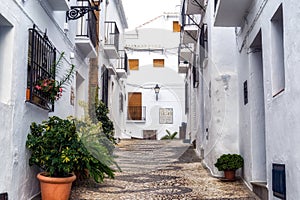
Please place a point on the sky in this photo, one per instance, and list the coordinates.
(141, 11)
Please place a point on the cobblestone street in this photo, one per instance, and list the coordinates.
(160, 170)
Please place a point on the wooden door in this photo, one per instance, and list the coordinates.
(135, 105)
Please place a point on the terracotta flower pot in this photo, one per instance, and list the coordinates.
(229, 175)
(53, 188)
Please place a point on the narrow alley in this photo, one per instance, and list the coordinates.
(165, 169)
(183, 92)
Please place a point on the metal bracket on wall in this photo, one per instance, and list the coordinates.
(79, 11)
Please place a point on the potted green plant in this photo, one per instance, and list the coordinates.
(169, 136)
(57, 148)
(229, 163)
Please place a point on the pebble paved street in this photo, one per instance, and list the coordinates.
(161, 170)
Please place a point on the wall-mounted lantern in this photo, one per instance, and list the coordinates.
(156, 90)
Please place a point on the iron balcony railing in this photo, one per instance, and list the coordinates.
(136, 113)
(87, 25)
(112, 34)
(184, 47)
(123, 61)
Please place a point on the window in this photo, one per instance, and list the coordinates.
(187, 100)
(6, 59)
(176, 26)
(105, 77)
(278, 71)
(134, 64)
(279, 181)
(245, 84)
(158, 62)
(41, 59)
(195, 71)
(134, 106)
(203, 45)
(121, 104)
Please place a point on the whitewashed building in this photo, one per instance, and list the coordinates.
(113, 62)
(206, 55)
(33, 34)
(266, 46)
(246, 101)
(152, 52)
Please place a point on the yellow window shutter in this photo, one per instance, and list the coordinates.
(134, 64)
(158, 62)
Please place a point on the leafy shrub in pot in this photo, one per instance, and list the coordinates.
(61, 146)
(229, 162)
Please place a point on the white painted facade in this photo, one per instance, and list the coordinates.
(113, 11)
(252, 50)
(212, 105)
(155, 40)
(268, 123)
(17, 178)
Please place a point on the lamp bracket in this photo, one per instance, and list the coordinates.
(79, 11)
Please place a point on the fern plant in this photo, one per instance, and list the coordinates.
(51, 88)
(169, 136)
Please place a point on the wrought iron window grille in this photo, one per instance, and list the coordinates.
(123, 62)
(41, 59)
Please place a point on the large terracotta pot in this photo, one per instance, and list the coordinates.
(229, 175)
(53, 188)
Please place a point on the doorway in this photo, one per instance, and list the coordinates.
(257, 111)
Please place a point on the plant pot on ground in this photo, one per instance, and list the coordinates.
(57, 149)
(229, 163)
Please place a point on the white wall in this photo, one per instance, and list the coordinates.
(281, 111)
(16, 177)
(218, 125)
(158, 36)
(113, 12)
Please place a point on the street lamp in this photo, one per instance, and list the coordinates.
(156, 89)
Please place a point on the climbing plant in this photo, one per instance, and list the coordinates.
(102, 111)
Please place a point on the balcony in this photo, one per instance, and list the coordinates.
(136, 113)
(190, 24)
(111, 40)
(111, 69)
(185, 52)
(86, 38)
(59, 5)
(183, 67)
(230, 13)
(122, 68)
(192, 7)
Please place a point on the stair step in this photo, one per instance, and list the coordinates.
(260, 189)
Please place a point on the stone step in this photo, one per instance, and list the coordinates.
(260, 189)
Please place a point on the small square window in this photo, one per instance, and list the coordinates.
(158, 62)
(133, 64)
(176, 26)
